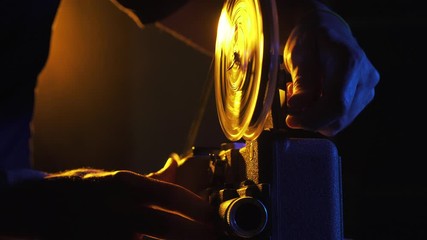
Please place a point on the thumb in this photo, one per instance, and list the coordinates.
(302, 62)
(168, 171)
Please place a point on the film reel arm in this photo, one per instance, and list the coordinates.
(197, 31)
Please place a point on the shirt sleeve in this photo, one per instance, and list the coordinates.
(9, 178)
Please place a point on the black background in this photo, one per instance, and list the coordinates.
(385, 186)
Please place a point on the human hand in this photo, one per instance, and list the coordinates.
(193, 173)
(94, 204)
(332, 78)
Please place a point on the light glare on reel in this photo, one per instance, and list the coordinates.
(246, 65)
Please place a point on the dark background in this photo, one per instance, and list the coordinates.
(114, 96)
(385, 184)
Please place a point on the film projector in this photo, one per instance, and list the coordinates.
(265, 183)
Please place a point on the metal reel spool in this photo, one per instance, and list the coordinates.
(246, 66)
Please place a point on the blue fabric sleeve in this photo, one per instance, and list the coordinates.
(9, 178)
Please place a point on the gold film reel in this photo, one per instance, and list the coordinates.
(246, 66)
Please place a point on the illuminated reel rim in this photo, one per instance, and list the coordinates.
(237, 59)
(246, 65)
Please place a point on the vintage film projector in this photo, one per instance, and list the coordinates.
(266, 183)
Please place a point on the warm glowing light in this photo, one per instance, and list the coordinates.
(225, 29)
(82, 173)
(287, 55)
(239, 55)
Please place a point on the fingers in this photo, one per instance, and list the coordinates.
(303, 67)
(338, 106)
(189, 172)
(332, 83)
(120, 202)
(166, 210)
(164, 224)
(168, 172)
(166, 195)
